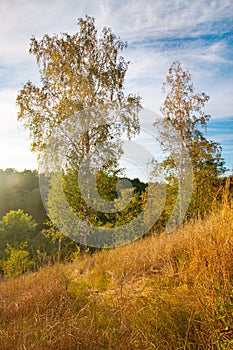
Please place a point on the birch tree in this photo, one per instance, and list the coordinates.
(82, 78)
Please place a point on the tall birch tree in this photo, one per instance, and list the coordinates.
(82, 81)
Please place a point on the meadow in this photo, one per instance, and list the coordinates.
(167, 291)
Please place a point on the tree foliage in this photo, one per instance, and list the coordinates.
(64, 247)
(17, 262)
(18, 227)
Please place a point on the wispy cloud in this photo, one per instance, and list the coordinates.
(157, 19)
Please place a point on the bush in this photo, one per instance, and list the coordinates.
(18, 261)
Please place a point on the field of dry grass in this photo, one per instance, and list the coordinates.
(169, 292)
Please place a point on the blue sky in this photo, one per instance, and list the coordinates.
(199, 34)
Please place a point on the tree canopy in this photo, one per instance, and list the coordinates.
(78, 72)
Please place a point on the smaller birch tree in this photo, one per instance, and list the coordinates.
(182, 136)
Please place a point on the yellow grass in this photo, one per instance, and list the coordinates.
(169, 292)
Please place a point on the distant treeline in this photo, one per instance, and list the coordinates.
(20, 190)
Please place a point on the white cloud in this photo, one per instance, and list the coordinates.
(14, 143)
(220, 104)
(22, 19)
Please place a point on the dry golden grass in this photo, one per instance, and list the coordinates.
(168, 292)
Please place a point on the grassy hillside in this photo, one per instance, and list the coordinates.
(168, 292)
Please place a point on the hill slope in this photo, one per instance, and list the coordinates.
(168, 292)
